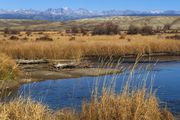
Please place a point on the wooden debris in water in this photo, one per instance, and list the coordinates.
(65, 65)
(31, 61)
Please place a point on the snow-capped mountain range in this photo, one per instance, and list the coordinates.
(63, 14)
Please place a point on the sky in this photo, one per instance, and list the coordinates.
(140, 5)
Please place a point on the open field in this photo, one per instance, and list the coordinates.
(53, 45)
(123, 21)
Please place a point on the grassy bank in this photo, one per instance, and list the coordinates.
(13, 75)
(81, 46)
(9, 73)
(134, 105)
(8, 68)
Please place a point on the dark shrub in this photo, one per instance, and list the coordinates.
(166, 27)
(28, 33)
(75, 29)
(14, 38)
(6, 31)
(44, 38)
(133, 29)
(176, 37)
(107, 28)
(15, 32)
(83, 31)
(9, 31)
(158, 29)
(147, 30)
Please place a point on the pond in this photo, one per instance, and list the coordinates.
(72, 92)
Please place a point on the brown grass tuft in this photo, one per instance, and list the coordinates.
(44, 38)
(126, 106)
(137, 105)
(14, 38)
(8, 68)
(23, 110)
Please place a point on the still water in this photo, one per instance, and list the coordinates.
(71, 92)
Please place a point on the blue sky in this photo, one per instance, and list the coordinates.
(92, 4)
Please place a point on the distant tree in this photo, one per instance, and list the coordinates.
(112, 28)
(6, 31)
(158, 29)
(166, 27)
(133, 29)
(176, 37)
(99, 30)
(9, 31)
(147, 30)
(75, 29)
(83, 31)
(107, 28)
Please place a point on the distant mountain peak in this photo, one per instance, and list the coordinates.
(65, 13)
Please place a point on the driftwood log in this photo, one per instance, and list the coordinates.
(65, 65)
(31, 61)
(71, 65)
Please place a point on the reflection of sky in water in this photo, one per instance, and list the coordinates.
(71, 92)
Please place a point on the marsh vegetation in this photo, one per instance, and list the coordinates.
(132, 103)
(79, 40)
(51, 45)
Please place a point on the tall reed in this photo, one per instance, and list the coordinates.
(8, 68)
(134, 102)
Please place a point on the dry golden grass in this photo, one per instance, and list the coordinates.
(23, 110)
(131, 105)
(137, 105)
(29, 110)
(8, 68)
(82, 46)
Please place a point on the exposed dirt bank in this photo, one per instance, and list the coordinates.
(39, 70)
(35, 71)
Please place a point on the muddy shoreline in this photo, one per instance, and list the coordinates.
(146, 58)
(40, 70)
